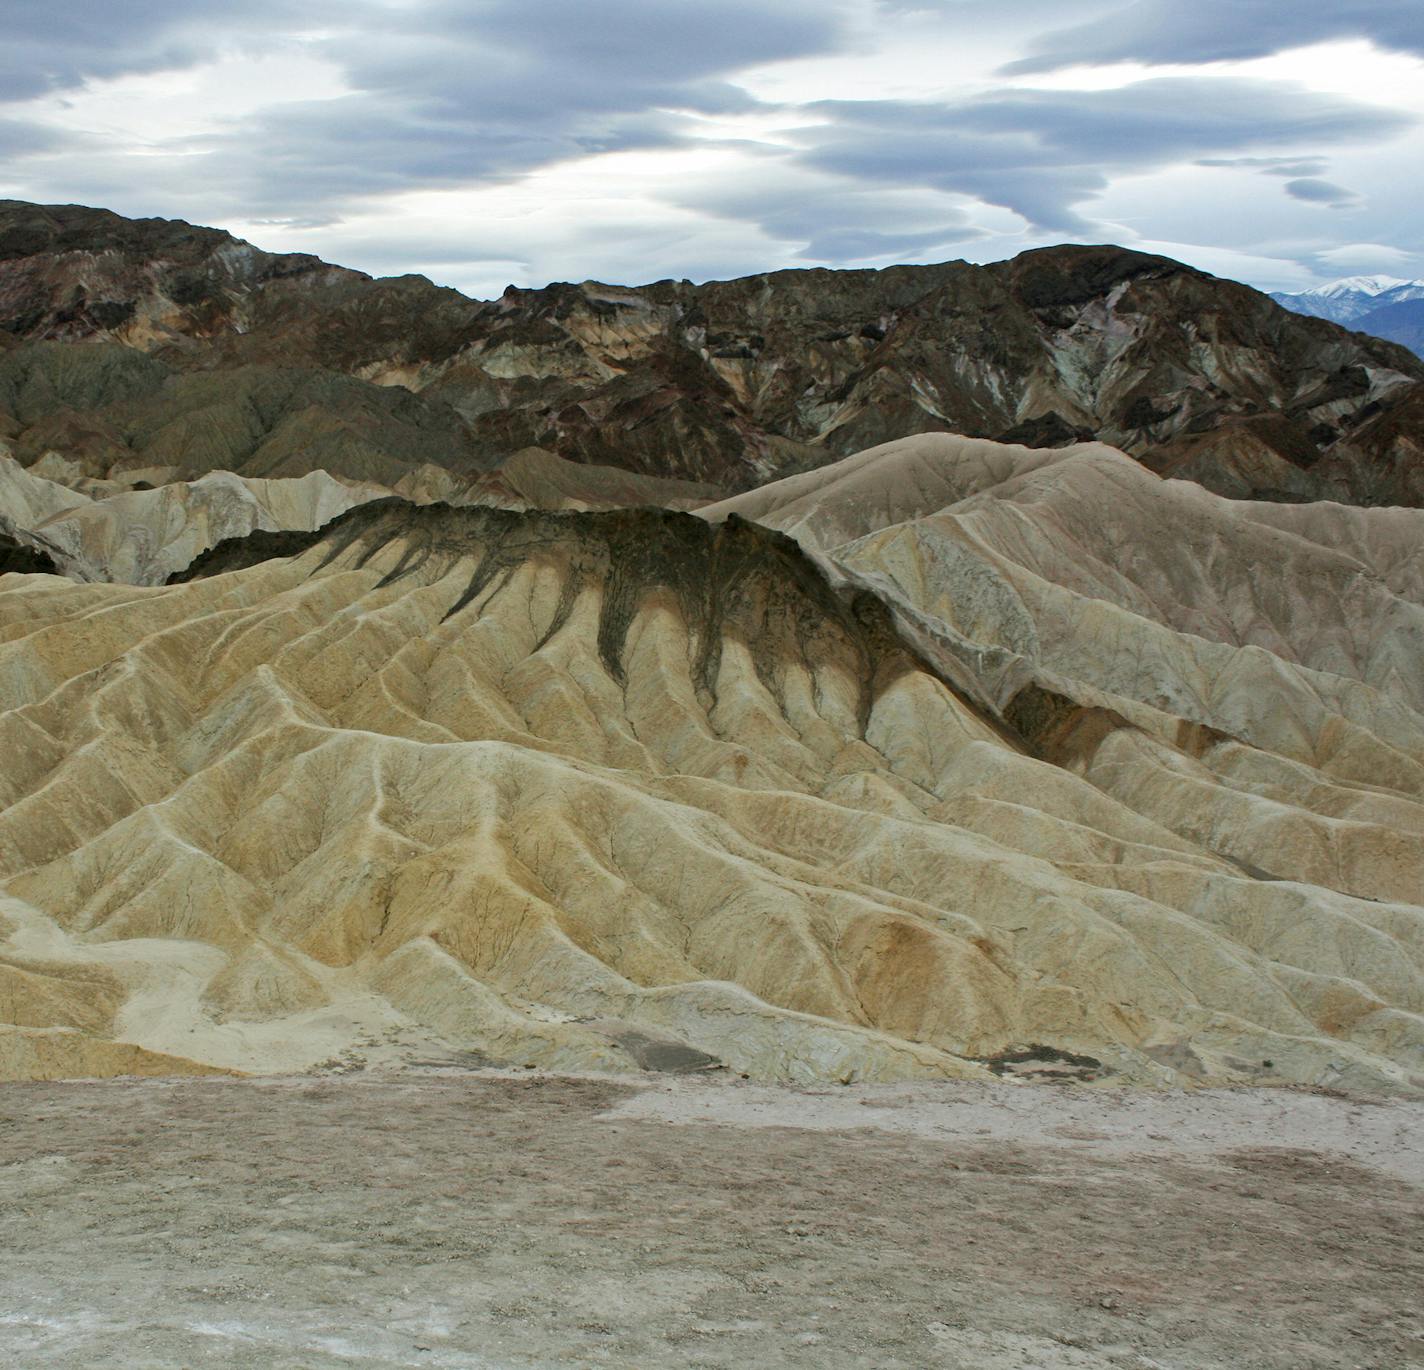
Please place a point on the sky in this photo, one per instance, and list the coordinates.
(489, 142)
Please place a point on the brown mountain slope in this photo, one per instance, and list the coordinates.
(274, 365)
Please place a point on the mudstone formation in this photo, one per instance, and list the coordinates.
(932, 673)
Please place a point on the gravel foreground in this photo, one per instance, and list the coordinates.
(455, 1218)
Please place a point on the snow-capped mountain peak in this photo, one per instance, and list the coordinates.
(1353, 299)
(1358, 285)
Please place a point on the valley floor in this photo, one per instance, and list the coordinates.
(447, 1217)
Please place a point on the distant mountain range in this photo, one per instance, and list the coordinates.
(1384, 306)
(148, 351)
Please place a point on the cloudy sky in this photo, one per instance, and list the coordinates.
(487, 141)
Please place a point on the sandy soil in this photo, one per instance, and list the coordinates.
(453, 1218)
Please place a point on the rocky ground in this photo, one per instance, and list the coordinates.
(447, 1217)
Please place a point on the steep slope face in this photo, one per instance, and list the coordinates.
(68, 272)
(725, 384)
(122, 415)
(551, 787)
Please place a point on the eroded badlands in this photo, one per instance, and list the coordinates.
(1014, 761)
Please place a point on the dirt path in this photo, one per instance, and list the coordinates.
(455, 1219)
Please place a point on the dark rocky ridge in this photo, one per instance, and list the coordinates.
(733, 576)
(274, 365)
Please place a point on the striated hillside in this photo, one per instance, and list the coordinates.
(153, 350)
(1005, 760)
(1282, 648)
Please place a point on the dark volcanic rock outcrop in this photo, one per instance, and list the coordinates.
(271, 364)
(735, 577)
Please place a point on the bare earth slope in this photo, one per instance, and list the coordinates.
(636, 788)
(1247, 674)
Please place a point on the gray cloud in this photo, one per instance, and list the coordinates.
(838, 244)
(1196, 31)
(1315, 191)
(459, 93)
(614, 57)
(49, 48)
(44, 52)
(454, 93)
(1303, 175)
(334, 152)
(444, 93)
(836, 221)
(1270, 166)
(24, 138)
(1040, 153)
